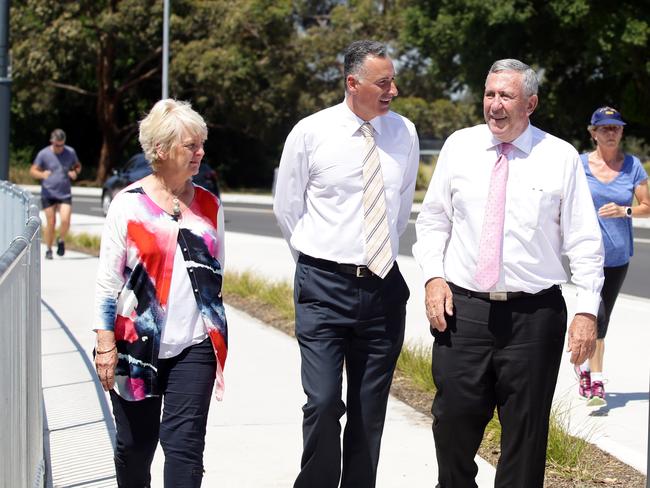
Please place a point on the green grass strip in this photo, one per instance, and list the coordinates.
(80, 241)
(278, 295)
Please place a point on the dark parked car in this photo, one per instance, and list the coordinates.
(138, 167)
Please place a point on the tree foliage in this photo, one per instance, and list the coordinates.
(241, 76)
(75, 58)
(439, 118)
(589, 53)
(253, 68)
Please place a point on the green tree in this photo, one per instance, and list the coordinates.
(436, 119)
(72, 58)
(236, 62)
(255, 67)
(589, 53)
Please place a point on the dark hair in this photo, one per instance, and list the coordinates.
(357, 52)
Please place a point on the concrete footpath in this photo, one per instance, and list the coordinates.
(258, 424)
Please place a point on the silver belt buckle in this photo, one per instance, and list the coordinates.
(499, 296)
(359, 270)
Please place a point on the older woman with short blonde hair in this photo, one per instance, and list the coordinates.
(159, 317)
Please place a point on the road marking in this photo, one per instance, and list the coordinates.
(637, 240)
(247, 209)
(85, 198)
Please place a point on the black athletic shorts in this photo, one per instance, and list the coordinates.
(49, 201)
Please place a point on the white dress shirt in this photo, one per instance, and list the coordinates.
(549, 213)
(318, 194)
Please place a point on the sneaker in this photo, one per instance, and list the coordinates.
(48, 254)
(584, 384)
(597, 395)
(60, 247)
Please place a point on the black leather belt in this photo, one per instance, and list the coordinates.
(359, 271)
(500, 296)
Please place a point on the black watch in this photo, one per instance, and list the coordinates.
(628, 211)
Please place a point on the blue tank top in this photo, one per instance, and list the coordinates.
(617, 232)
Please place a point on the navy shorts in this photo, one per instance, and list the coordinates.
(49, 201)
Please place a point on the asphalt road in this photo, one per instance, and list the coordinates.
(259, 220)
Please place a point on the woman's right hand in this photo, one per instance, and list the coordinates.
(611, 210)
(106, 358)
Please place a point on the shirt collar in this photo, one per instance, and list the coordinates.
(524, 142)
(353, 122)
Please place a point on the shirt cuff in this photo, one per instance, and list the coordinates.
(105, 315)
(433, 270)
(588, 302)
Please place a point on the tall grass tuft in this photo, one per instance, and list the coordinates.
(415, 362)
(565, 453)
(276, 294)
(82, 241)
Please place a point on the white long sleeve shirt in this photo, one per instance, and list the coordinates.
(549, 213)
(318, 194)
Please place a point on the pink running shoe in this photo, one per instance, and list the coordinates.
(597, 395)
(584, 384)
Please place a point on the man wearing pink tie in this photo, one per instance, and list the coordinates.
(506, 201)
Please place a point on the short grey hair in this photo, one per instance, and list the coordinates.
(530, 82)
(57, 135)
(163, 127)
(357, 53)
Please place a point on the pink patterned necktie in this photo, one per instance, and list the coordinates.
(488, 264)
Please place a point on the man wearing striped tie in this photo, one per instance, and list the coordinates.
(506, 201)
(343, 197)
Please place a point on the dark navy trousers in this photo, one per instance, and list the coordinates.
(186, 383)
(343, 320)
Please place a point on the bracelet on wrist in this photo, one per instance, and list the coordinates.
(97, 351)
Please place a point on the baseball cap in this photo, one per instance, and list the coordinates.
(607, 116)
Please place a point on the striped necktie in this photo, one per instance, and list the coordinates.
(489, 260)
(375, 222)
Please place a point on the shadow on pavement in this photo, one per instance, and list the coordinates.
(618, 400)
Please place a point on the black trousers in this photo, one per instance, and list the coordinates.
(504, 355)
(614, 278)
(360, 322)
(186, 383)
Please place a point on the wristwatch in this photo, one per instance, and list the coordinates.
(628, 212)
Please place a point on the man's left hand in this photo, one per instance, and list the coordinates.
(438, 301)
(582, 337)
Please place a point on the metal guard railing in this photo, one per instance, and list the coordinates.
(22, 460)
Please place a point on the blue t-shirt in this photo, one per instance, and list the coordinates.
(57, 185)
(617, 231)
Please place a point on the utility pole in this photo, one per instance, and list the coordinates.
(165, 51)
(5, 90)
